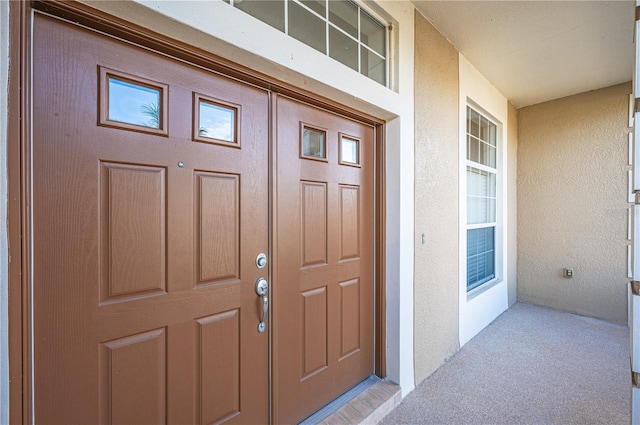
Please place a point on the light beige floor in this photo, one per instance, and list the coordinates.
(531, 366)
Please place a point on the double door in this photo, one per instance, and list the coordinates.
(151, 204)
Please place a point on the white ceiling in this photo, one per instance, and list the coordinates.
(534, 51)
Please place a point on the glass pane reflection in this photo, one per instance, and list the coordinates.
(134, 104)
(313, 143)
(349, 151)
(307, 28)
(217, 122)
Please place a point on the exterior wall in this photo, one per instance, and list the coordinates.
(572, 203)
(446, 317)
(483, 305)
(4, 255)
(214, 26)
(436, 176)
(512, 203)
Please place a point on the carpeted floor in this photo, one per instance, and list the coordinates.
(531, 366)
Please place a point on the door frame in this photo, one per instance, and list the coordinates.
(19, 171)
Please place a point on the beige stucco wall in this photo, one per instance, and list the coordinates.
(572, 203)
(436, 199)
(512, 203)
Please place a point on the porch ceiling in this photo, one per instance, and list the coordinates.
(534, 51)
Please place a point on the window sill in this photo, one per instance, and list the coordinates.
(475, 292)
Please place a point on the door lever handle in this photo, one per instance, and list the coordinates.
(261, 289)
(265, 309)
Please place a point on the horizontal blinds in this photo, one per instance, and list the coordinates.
(480, 256)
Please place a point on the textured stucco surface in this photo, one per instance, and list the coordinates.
(436, 199)
(512, 203)
(572, 203)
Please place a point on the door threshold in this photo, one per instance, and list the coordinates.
(367, 403)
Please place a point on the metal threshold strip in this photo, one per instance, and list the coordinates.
(367, 402)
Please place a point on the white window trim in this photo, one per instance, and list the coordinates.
(497, 225)
(480, 306)
(388, 81)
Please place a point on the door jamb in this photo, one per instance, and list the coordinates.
(18, 124)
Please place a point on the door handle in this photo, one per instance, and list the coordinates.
(262, 287)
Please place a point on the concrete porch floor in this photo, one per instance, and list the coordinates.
(532, 365)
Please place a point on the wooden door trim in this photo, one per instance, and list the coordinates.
(17, 212)
(380, 306)
(85, 15)
(18, 159)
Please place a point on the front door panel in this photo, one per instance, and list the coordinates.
(323, 276)
(150, 195)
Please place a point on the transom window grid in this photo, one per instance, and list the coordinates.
(482, 175)
(341, 29)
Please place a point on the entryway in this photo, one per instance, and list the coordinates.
(186, 228)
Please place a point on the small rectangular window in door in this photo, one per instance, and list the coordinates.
(313, 142)
(216, 121)
(349, 151)
(132, 103)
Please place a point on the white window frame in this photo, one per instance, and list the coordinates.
(361, 46)
(479, 307)
(497, 247)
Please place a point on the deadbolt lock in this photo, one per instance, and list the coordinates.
(261, 260)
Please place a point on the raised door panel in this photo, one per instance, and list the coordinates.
(133, 380)
(219, 392)
(217, 227)
(314, 223)
(314, 332)
(133, 221)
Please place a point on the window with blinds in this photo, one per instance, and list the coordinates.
(481, 199)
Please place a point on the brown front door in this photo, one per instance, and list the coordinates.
(149, 198)
(323, 272)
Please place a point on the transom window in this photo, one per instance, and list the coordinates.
(340, 29)
(481, 199)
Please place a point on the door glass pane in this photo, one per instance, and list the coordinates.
(344, 14)
(349, 151)
(268, 11)
(343, 49)
(372, 33)
(373, 66)
(134, 103)
(217, 122)
(318, 6)
(313, 143)
(306, 27)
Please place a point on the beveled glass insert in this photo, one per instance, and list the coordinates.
(349, 151)
(132, 103)
(313, 143)
(217, 122)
